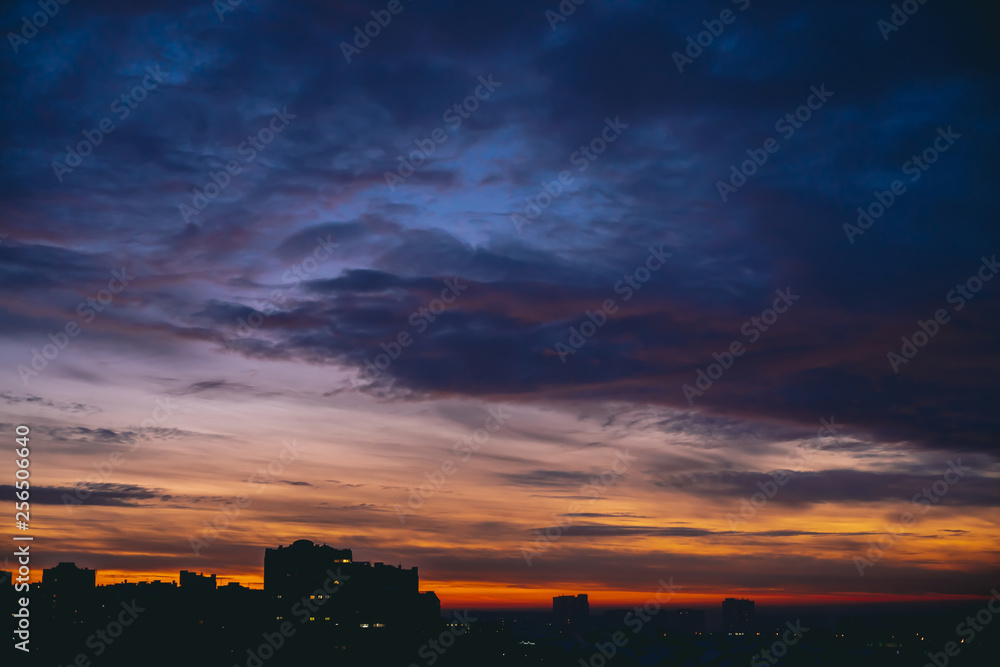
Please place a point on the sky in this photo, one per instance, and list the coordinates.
(534, 297)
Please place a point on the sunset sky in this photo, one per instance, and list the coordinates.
(239, 331)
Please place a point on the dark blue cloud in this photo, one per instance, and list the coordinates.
(323, 176)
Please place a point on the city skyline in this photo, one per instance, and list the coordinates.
(305, 562)
(532, 601)
(541, 298)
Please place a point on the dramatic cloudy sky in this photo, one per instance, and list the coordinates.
(243, 335)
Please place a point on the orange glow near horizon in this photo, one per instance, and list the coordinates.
(172, 507)
(501, 596)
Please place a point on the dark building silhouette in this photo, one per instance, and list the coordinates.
(7, 593)
(67, 576)
(378, 618)
(325, 585)
(197, 582)
(300, 568)
(737, 616)
(570, 609)
(322, 604)
(68, 591)
(236, 591)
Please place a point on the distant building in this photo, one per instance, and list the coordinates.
(197, 583)
(737, 616)
(145, 590)
(234, 593)
(570, 609)
(67, 576)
